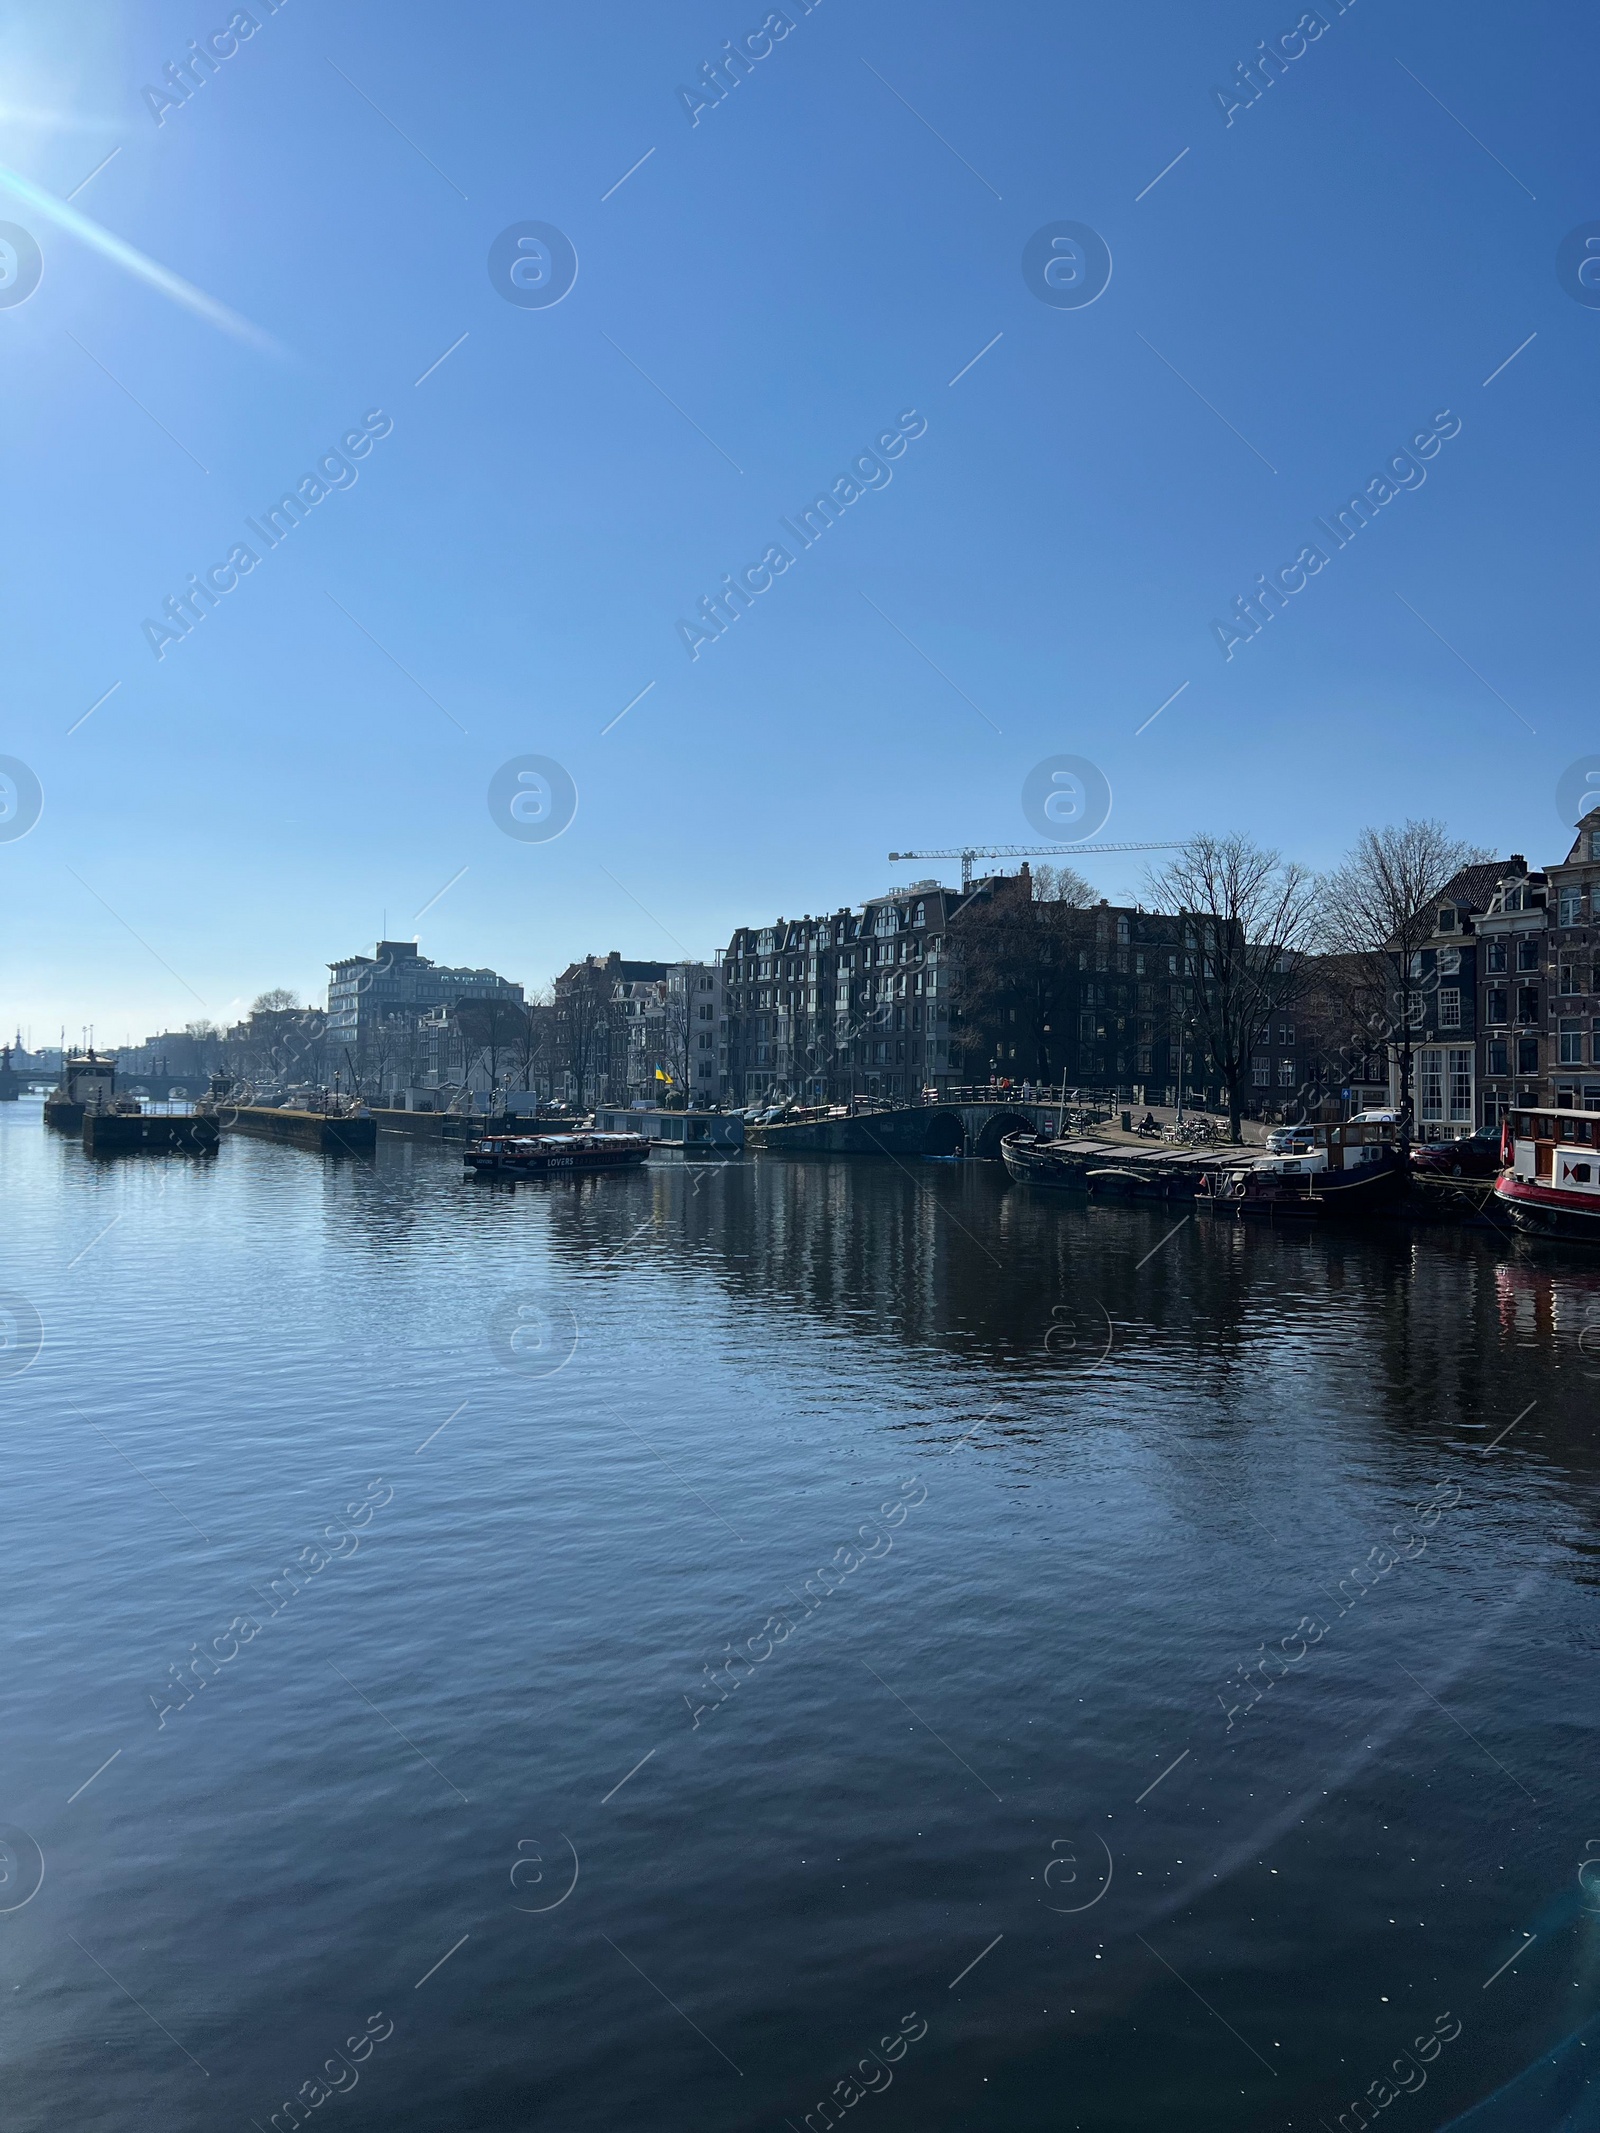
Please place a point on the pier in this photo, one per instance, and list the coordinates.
(962, 1126)
(322, 1133)
(152, 1133)
(431, 1125)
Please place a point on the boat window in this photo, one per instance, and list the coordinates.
(1579, 1173)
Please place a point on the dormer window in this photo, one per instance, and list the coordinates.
(1447, 918)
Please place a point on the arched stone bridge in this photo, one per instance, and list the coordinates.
(159, 1086)
(961, 1128)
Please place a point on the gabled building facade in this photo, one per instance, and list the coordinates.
(1512, 994)
(1572, 979)
(1441, 1002)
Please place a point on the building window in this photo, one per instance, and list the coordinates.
(1495, 1004)
(1499, 1056)
(1568, 980)
(1285, 1073)
(1527, 1055)
(1570, 907)
(1528, 953)
(1450, 1007)
(1449, 960)
(1497, 955)
(1570, 1041)
(1461, 1086)
(1261, 1073)
(1447, 919)
(1430, 1086)
(1527, 1003)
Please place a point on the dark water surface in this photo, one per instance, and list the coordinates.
(1098, 1473)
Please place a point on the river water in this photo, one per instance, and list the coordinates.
(658, 1641)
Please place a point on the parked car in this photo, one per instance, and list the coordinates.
(1291, 1140)
(1475, 1155)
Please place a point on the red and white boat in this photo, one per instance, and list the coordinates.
(1551, 1185)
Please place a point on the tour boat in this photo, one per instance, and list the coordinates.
(542, 1155)
(1352, 1167)
(1551, 1185)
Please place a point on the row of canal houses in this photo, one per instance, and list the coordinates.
(1504, 996)
(877, 1000)
(1503, 1001)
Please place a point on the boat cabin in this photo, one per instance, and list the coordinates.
(1558, 1146)
(1334, 1145)
(88, 1080)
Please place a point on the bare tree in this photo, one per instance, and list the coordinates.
(1249, 918)
(275, 1001)
(1377, 908)
(585, 1020)
(491, 1027)
(532, 1044)
(676, 1035)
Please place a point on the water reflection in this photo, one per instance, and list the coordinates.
(1215, 1720)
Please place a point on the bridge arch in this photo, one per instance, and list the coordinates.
(946, 1134)
(986, 1146)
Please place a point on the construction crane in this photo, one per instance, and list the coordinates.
(968, 852)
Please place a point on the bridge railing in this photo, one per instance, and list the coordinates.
(988, 1092)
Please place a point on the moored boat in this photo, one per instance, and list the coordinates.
(541, 1155)
(1151, 1181)
(1551, 1186)
(1352, 1167)
(1034, 1159)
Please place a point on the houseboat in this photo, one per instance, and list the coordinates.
(1551, 1185)
(707, 1133)
(1036, 1159)
(1350, 1168)
(508, 1157)
(88, 1083)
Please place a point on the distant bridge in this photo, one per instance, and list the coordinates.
(159, 1086)
(962, 1125)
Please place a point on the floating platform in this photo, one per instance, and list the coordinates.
(63, 1117)
(317, 1131)
(130, 1133)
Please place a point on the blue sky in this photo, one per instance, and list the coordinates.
(770, 290)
